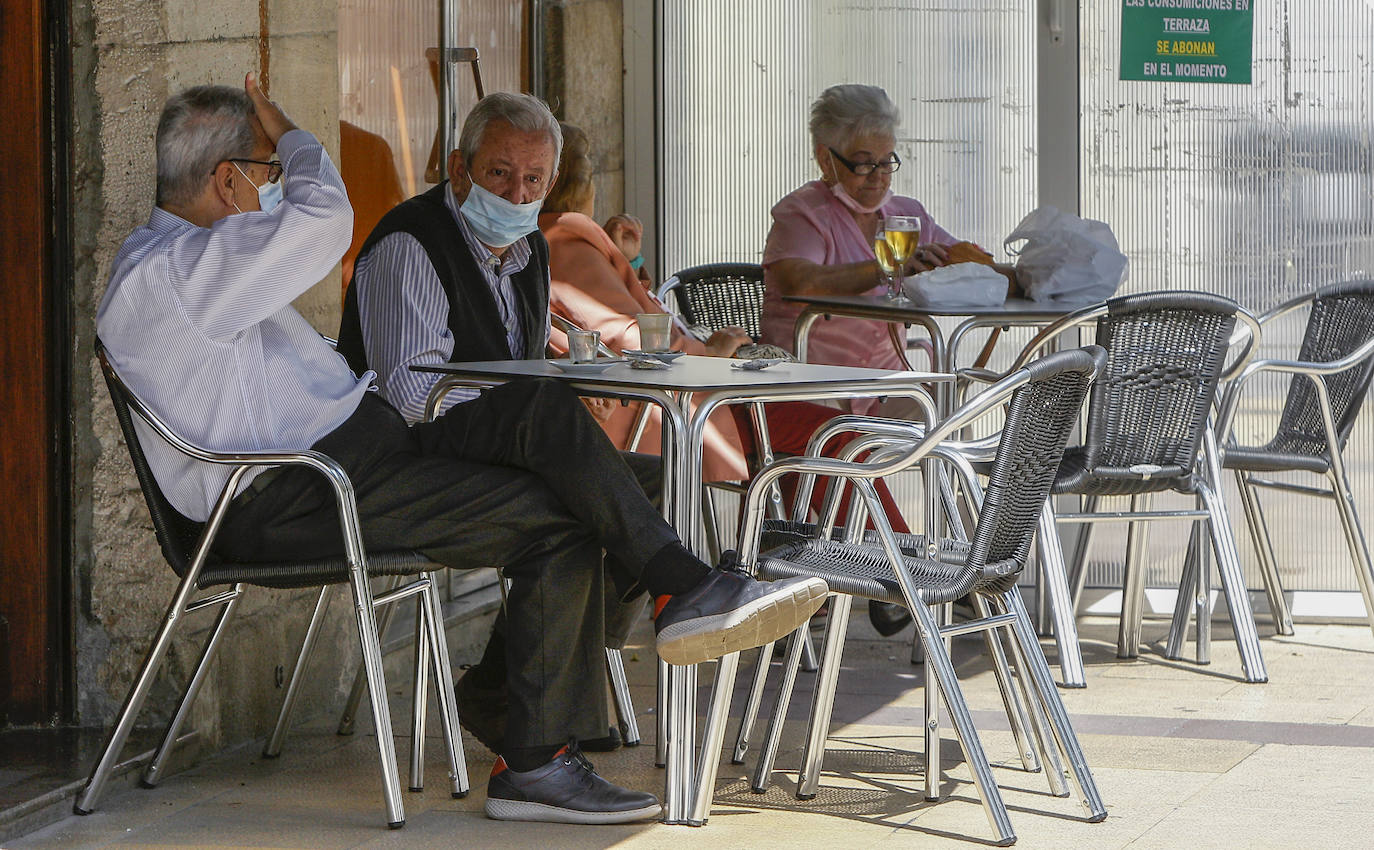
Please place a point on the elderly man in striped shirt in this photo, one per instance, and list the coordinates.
(460, 273)
(197, 319)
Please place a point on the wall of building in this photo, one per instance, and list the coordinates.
(585, 74)
(127, 58)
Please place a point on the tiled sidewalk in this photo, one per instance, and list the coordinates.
(1184, 756)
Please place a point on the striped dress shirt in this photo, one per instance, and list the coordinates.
(198, 322)
(403, 311)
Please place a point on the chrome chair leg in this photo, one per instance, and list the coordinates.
(808, 659)
(419, 698)
(661, 717)
(1006, 688)
(750, 715)
(1185, 604)
(1264, 548)
(124, 723)
(152, 774)
(1233, 586)
(763, 770)
(1355, 539)
(1039, 673)
(272, 749)
(624, 703)
(823, 697)
(713, 737)
(940, 668)
(355, 693)
(376, 686)
(931, 726)
(433, 617)
(1133, 586)
(1054, 583)
(1078, 565)
(1044, 736)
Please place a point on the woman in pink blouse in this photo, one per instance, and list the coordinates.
(821, 242)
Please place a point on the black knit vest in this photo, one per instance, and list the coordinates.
(473, 317)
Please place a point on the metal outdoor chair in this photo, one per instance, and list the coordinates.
(187, 546)
(1148, 431)
(1043, 400)
(1328, 383)
(719, 295)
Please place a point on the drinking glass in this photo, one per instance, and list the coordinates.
(655, 331)
(889, 268)
(902, 233)
(582, 345)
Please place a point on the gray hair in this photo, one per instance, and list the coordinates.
(843, 112)
(200, 128)
(524, 112)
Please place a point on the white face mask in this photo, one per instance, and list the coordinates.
(838, 191)
(269, 194)
(495, 221)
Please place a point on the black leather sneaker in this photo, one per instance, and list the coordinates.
(566, 790)
(482, 711)
(887, 618)
(730, 611)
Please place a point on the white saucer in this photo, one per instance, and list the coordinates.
(590, 368)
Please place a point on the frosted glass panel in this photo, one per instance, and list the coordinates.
(1257, 192)
(386, 84)
(739, 80)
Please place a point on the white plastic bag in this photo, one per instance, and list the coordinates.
(959, 285)
(1066, 258)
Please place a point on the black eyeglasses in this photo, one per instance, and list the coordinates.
(863, 169)
(274, 167)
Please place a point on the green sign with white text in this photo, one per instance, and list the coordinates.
(1187, 41)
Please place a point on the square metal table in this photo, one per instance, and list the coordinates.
(687, 392)
(1014, 312)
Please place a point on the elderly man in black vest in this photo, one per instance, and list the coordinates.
(459, 273)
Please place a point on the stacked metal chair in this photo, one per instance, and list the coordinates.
(1329, 381)
(1043, 400)
(187, 546)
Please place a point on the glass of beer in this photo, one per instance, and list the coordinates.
(889, 268)
(902, 233)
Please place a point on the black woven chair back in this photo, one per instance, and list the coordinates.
(1340, 321)
(1165, 355)
(722, 294)
(176, 534)
(1039, 420)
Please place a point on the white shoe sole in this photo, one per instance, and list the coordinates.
(544, 813)
(766, 619)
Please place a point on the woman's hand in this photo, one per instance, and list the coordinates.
(627, 233)
(723, 342)
(925, 258)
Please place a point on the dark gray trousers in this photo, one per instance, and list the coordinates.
(521, 478)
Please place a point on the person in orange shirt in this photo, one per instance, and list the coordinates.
(593, 285)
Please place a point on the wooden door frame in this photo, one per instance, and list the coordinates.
(36, 663)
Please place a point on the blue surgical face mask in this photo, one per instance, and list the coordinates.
(269, 194)
(495, 221)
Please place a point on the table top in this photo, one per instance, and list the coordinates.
(879, 306)
(689, 373)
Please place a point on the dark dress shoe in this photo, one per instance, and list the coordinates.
(887, 618)
(729, 611)
(565, 790)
